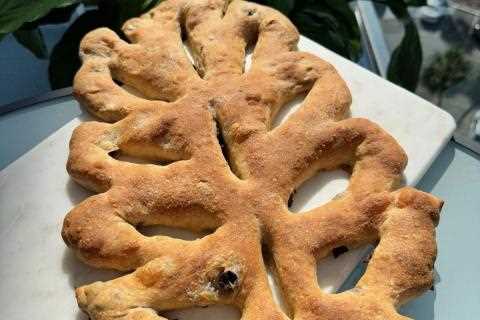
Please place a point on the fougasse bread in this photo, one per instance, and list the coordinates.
(178, 118)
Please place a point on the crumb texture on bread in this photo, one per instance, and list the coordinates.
(175, 117)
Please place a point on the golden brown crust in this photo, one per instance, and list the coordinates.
(243, 200)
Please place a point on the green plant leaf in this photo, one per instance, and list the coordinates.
(406, 60)
(14, 13)
(445, 70)
(416, 3)
(346, 17)
(122, 10)
(284, 6)
(58, 15)
(64, 60)
(330, 23)
(90, 2)
(32, 39)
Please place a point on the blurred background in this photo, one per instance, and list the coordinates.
(430, 47)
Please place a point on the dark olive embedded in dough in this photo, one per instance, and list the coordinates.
(226, 281)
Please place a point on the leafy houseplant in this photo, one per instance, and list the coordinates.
(331, 23)
(444, 71)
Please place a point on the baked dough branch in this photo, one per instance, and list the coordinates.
(177, 116)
